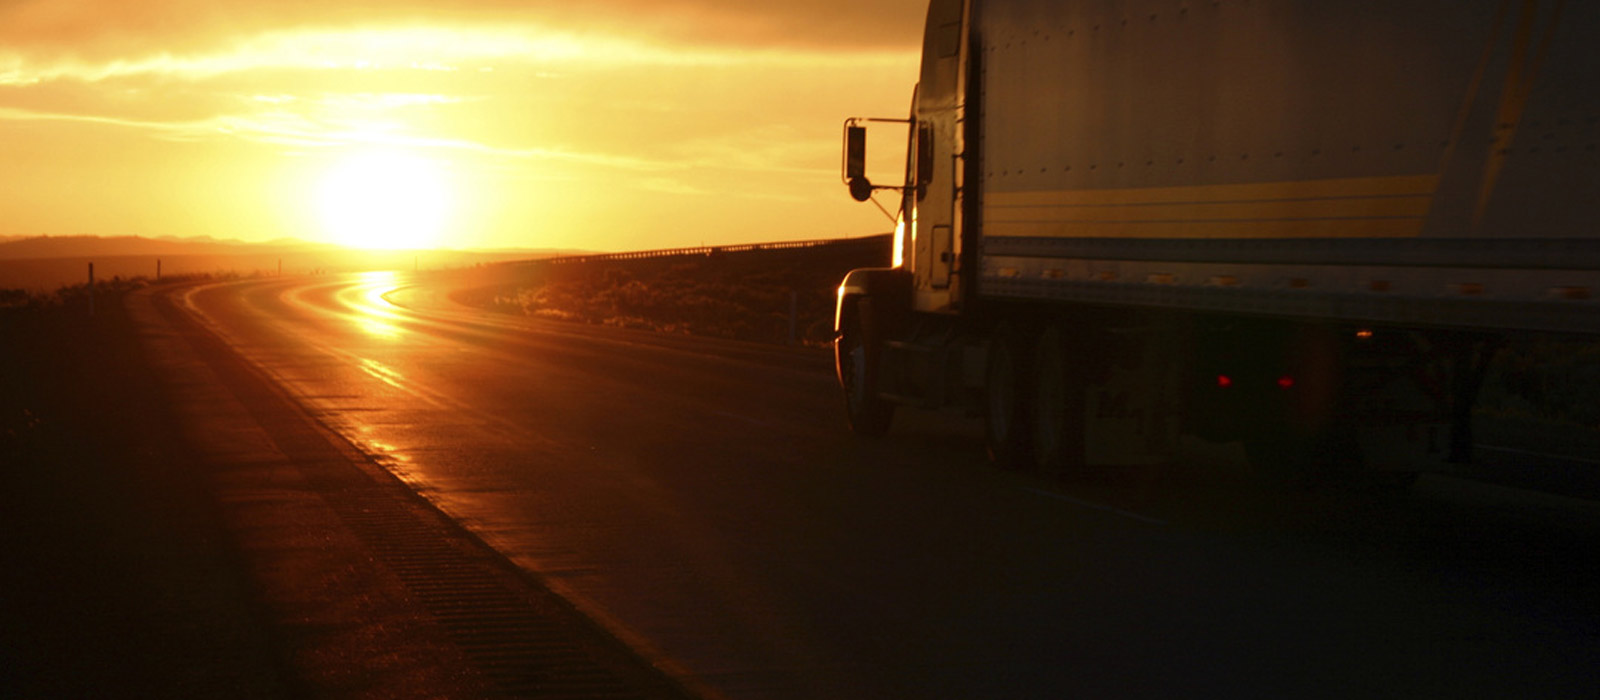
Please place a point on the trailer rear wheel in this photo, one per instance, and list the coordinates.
(1008, 400)
(869, 415)
(1058, 407)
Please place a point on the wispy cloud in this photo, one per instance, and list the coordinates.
(98, 28)
(296, 130)
(296, 101)
(410, 48)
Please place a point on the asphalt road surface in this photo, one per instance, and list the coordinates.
(704, 502)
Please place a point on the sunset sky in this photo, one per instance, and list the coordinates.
(600, 124)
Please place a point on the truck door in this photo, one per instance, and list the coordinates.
(936, 221)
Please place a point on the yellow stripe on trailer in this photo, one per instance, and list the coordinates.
(1393, 206)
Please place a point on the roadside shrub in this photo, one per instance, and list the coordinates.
(744, 295)
(1546, 379)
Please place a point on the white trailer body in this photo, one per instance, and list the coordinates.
(1351, 202)
(1408, 163)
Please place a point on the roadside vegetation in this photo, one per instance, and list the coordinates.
(13, 300)
(766, 296)
(1549, 379)
(1543, 394)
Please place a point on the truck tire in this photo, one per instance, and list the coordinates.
(1008, 400)
(1058, 406)
(869, 415)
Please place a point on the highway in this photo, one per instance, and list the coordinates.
(705, 503)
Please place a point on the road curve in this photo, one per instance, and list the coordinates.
(702, 500)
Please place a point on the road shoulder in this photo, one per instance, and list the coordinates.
(373, 591)
(119, 579)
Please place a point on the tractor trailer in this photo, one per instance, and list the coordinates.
(1302, 226)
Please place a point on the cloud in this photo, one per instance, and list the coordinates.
(296, 129)
(98, 31)
(763, 148)
(425, 49)
(364, 85)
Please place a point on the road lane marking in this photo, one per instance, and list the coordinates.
(1095, 506)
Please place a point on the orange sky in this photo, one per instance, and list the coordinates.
(605, 125)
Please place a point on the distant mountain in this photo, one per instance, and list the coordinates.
(42, 247)
(43, 263)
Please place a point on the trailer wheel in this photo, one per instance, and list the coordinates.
(869, 415)
(1008, 401)
(1058, 406)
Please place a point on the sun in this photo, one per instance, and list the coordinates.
(384, 199)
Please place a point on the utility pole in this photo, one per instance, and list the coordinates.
(91, 289)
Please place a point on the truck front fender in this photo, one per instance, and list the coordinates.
(890, 289)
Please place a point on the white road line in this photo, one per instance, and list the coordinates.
(1096, 506)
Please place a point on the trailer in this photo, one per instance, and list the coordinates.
(1302, 226)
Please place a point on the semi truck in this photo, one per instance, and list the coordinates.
(1300, 226)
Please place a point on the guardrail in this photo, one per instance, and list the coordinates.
(703, 251)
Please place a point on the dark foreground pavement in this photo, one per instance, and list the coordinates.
(171, 525)
(118, 576)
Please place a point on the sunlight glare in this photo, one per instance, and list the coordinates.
(384, 199)
(371, 312)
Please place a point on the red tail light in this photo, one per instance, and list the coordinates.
(1285, 381)
(1224, 381)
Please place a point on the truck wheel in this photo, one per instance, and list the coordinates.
(1008, 401)
(1058, 426)
(869, 415)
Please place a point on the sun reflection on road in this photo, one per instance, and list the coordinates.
(373, 315)
(378, 329)
(383, 373)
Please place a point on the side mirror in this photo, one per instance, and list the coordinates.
(855, 162)
(855, 152)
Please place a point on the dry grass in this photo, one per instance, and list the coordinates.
(747, 295)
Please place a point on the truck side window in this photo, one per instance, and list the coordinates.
(924, 158)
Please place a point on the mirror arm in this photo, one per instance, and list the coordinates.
(854, 168)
